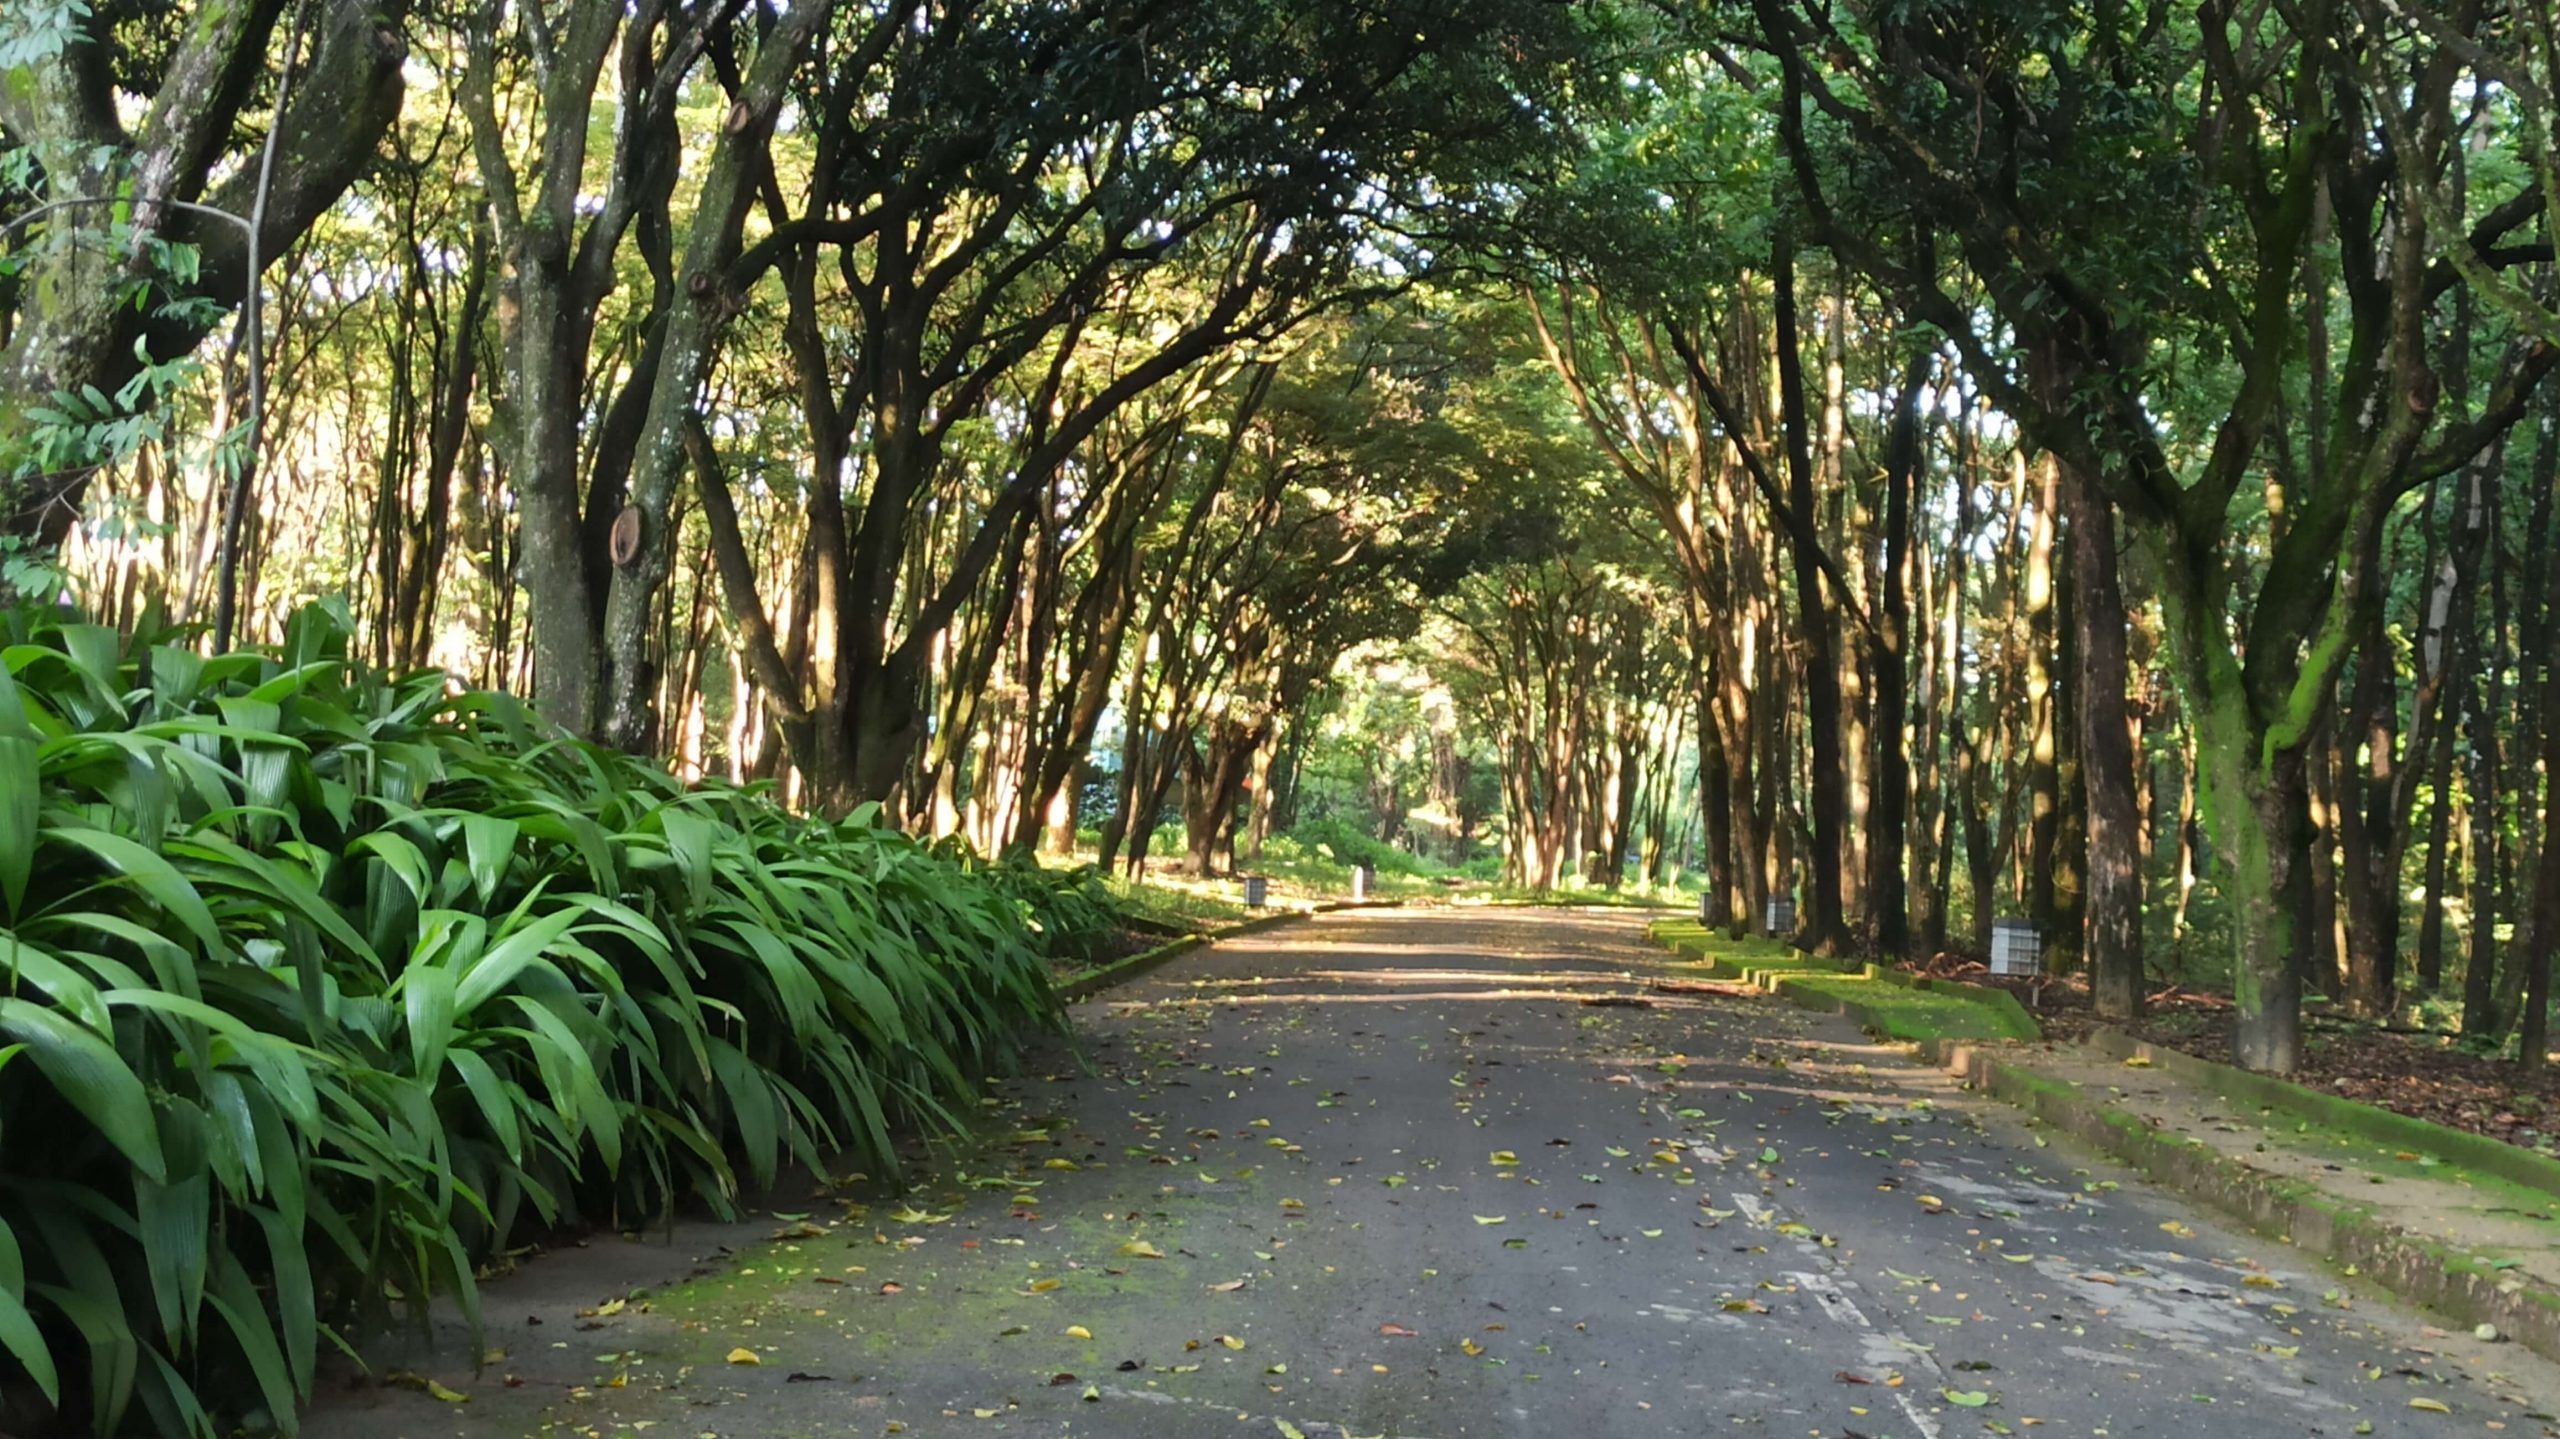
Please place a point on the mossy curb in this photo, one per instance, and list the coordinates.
(2417, 1267)
(1121, 971)
(2399, 1131)
(2008, 1018)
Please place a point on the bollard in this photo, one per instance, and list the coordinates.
(1362, 876)
(1256, 890)
(2016, 948)
(1706, 907)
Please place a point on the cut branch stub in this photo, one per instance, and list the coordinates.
(624, 545)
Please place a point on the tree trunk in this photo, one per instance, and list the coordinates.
(2252, 803)
(1888, 895)
(2044, 736)
(1825, 934)
(2113, 932)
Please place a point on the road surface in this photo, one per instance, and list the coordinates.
(1452, 1174)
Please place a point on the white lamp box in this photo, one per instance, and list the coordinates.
(2016, 949)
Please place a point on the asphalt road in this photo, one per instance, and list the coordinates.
(1433, 1174)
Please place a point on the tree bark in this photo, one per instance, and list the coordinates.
(2113, 930)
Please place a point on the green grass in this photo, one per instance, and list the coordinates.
(1909, 1015)
(1177, 905)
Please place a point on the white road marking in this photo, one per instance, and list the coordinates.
(1828, 1288)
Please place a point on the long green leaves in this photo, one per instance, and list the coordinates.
(317, 985)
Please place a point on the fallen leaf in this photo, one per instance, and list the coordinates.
(1470, 1347)
(1231, 1341)
(450, 1396)
(1493, 1219)
(1141, 1249)
(1398, 1331)
(1230, 1287)
(1078, 1331)
(2431, 1406)
(743, 1355)
(1505, 1157)
(1965, 1398)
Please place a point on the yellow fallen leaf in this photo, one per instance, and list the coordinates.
(2183, 1231)
(1141, 1249)
(450, 1396)
(743, 1355)
(1062, 1163)
(1078, 1331)
(1231, 1341)
(1493, 1219)
(1043, 1286)
(609, 1308)
(1229, 1287)
(1471, 1348)
(1505, 1157)
(2263, 1281)
(2432, 1406)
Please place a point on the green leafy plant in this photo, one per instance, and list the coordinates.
(321, 984)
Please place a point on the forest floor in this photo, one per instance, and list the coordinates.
(1457, 1172)
(2422, 1075)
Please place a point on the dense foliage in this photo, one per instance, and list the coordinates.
(325, 983)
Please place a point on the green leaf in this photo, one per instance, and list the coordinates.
(499, 967)
(490, 842)
(429, 998)
(150, 873)
(88, 1072)
(236, 1299)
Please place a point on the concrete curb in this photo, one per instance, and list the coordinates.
(1121, 971)
(2416, 1267)
(2471, 1151)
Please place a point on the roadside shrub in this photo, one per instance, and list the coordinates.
(1071, 911)
(1351, 846)
(323, 983)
